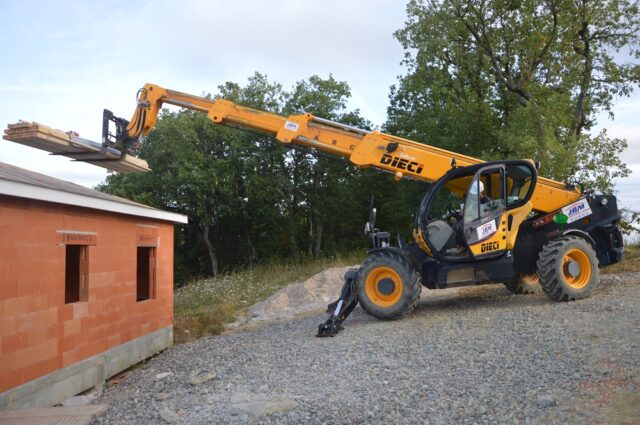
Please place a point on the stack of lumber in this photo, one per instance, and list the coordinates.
(58, 142)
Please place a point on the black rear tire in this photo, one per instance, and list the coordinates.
(388, 286)
(563, 258)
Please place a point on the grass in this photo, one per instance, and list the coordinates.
(202, 307)
(630, 263)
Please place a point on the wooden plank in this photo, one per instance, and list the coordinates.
(58, 142)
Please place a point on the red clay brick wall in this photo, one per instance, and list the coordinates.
(39, 333)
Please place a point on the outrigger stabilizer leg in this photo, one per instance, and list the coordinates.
(342, 307)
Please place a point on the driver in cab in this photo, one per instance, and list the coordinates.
(470, 211)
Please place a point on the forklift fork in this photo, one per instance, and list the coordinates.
(342, 307)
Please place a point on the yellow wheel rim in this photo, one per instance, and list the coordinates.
(384, 286)
(531, 279)
(571, 258)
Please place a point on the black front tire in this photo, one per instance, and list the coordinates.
(403, 284)
(553, 268)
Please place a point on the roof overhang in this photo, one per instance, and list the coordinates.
(23, 190)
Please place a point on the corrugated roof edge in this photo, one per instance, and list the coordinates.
(18, 182)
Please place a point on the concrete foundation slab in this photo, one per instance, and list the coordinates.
(89, 373)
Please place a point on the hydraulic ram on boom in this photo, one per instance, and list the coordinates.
(479, 222)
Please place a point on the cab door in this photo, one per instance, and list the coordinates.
(484, 213)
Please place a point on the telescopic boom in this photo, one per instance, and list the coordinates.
(401, 157)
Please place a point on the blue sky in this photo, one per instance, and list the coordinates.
(63, 62)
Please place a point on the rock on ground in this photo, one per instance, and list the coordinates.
(474, 355)
(201, 378)
(79, 400)
(260, 404)
(312, 295)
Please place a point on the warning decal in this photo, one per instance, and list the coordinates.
(487, 229)
(291, 126)
(577, 210)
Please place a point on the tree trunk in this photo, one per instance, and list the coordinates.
(212, 252)
(253, 254)
(311, 235)
(293, 244)
(580, 114)
(293, 202)
(318, 241)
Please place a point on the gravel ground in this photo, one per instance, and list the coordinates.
(470, 355)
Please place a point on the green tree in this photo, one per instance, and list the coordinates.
(215, 175)
(320, 184)
(519, 78)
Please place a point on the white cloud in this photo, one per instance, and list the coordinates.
(624, 125)
(628, 190)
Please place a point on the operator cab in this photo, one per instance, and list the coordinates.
(464, 216)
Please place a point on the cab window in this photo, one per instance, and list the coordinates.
(485, 196)
(519, 178)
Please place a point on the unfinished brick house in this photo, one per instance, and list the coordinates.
(86, 286)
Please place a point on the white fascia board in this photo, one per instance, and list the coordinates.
(23, 190)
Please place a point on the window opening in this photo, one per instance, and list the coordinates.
(146, 276)
(76, 282)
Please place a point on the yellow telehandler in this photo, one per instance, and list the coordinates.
(479, 222)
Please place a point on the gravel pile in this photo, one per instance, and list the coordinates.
(472, 355)
(312, 295)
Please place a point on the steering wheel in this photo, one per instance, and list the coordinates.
(452, 214)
